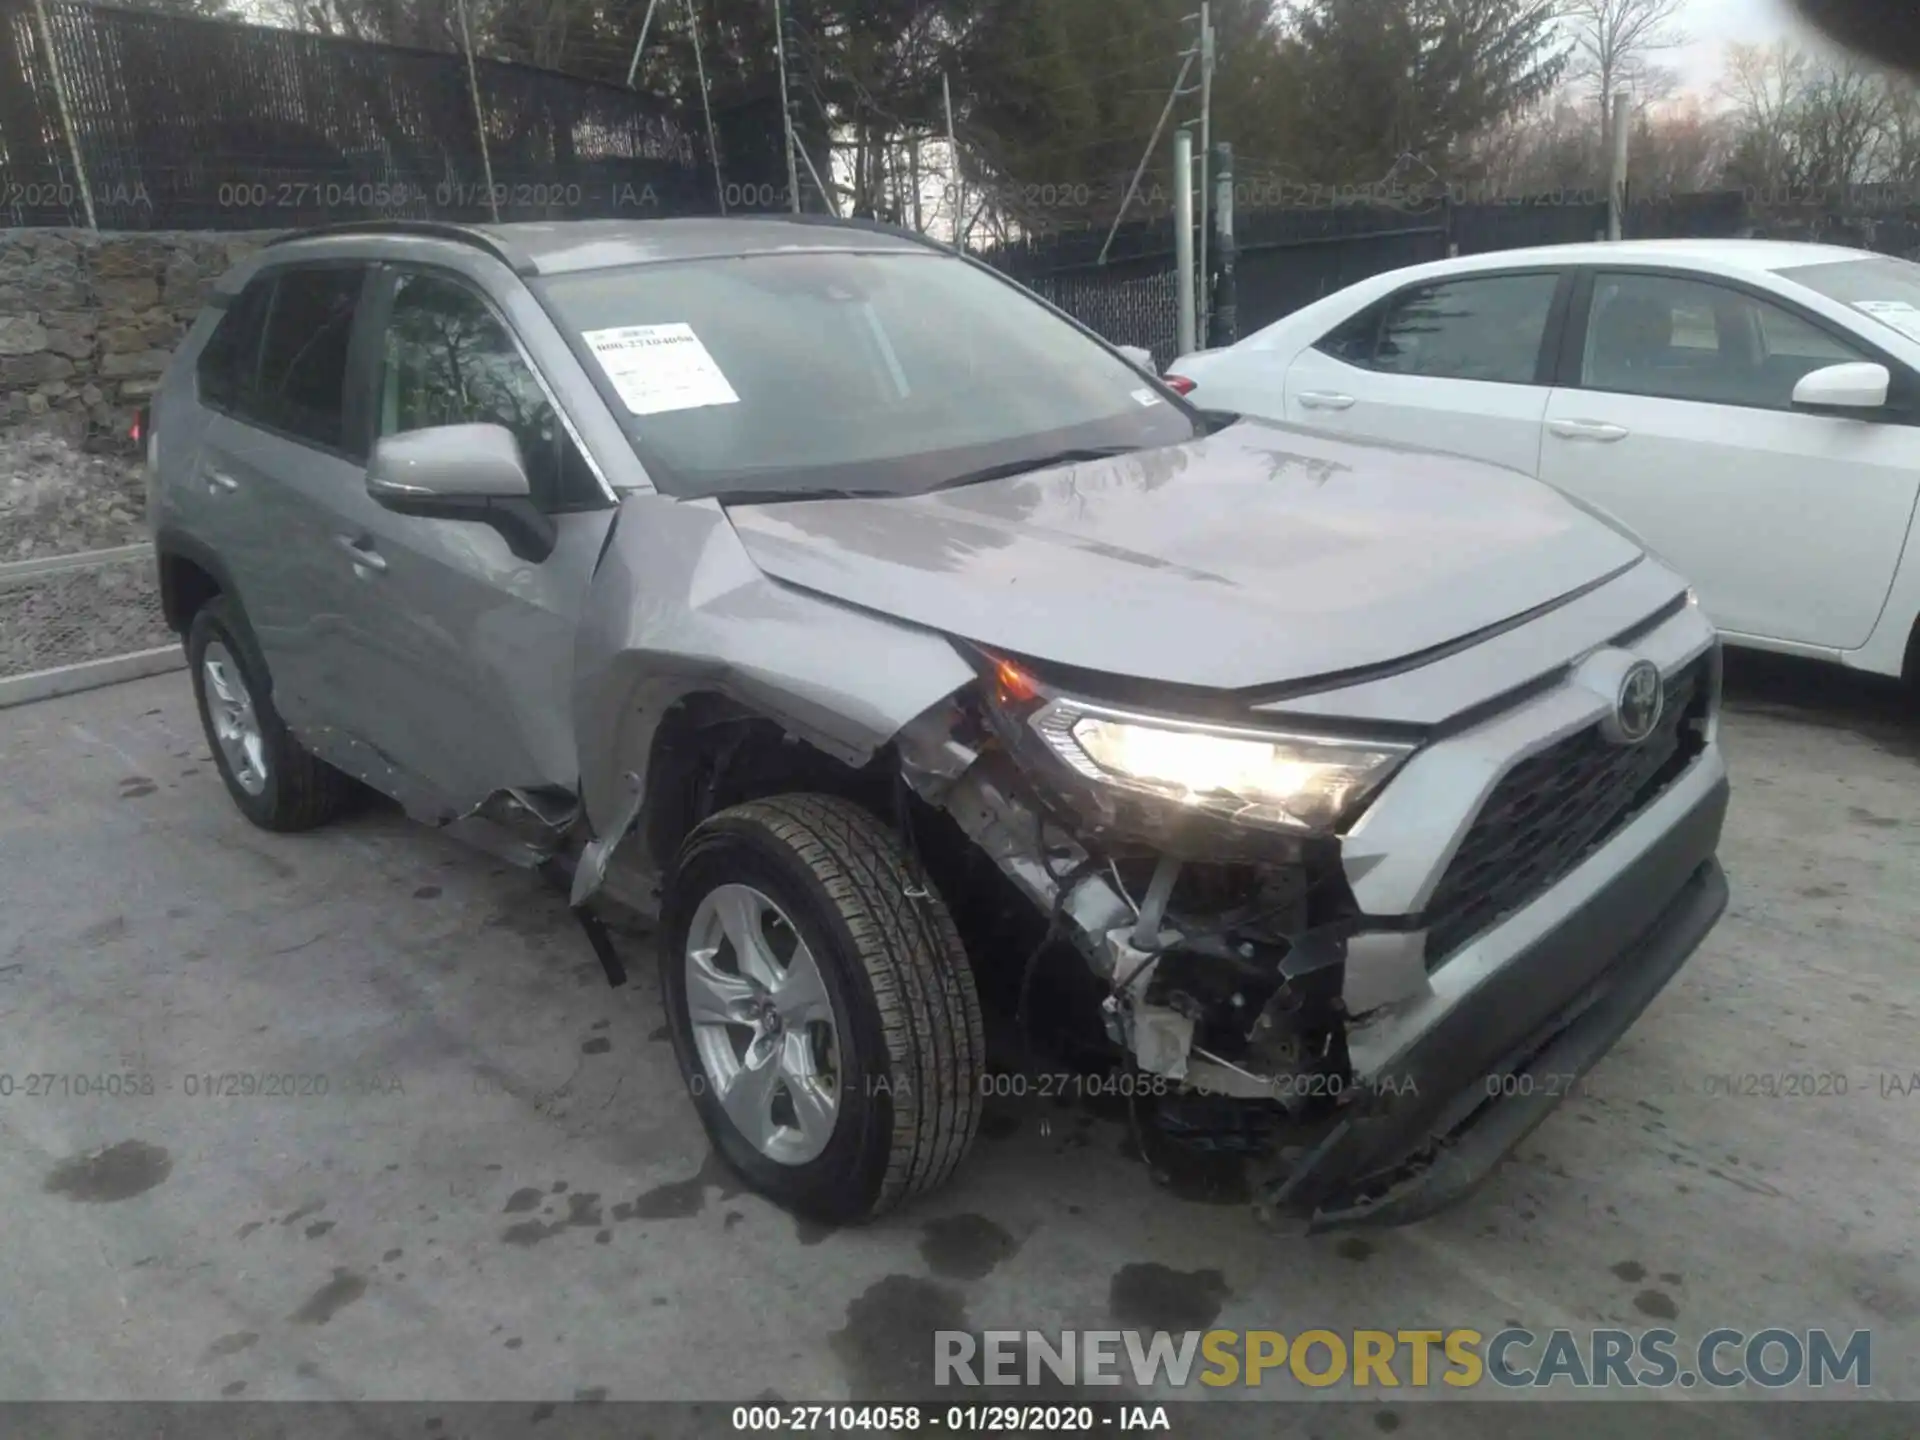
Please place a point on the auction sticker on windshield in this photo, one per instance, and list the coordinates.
(657, 368)
(1898, 313)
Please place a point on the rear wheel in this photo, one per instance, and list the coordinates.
(277, 784)
(822, 1007)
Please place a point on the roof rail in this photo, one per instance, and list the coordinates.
(425, 229)
(853, 222)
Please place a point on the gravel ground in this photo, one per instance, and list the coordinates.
(56, 498)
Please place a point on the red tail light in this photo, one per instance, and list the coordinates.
(1179, 384)
(137, 431)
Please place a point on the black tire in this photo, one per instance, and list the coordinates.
(300, 791)
(913, 1051)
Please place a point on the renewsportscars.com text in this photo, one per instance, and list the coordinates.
(1773, 1358)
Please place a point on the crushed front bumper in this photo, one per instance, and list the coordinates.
(1446, 1095)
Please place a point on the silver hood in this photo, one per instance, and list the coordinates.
(1259, 555)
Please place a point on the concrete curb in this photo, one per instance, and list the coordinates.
(90, 675)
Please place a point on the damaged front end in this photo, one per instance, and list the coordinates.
(1196, 869)
(1369, 992)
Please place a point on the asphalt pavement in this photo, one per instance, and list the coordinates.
(353, 1115)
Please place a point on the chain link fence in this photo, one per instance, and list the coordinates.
(122, 119)
(68, 622)
(1138, 310)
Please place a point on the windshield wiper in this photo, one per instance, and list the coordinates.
(1038, 462)
(772, 497)
(1001, 471)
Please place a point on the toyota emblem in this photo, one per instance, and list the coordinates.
(1637, 707)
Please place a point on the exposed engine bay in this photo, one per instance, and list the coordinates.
(1217, 952)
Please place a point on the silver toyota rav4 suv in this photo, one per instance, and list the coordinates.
(917, 659)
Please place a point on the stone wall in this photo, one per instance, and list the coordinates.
(87, 321)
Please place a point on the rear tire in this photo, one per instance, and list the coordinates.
(892, 1043)
(276, 783)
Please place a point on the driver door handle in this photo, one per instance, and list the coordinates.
(1325, 400)
(362, 553)
(219, 481)
(1599, 430)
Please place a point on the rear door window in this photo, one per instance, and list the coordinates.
(1675, 338)
(1487, 327)
(302, 384)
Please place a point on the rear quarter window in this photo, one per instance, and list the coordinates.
(225, 370)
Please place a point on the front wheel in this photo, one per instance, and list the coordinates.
(822, 1007)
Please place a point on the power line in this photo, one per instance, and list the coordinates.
(1013, 69)
(1173, 98)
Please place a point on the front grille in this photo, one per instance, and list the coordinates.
(1554, 809)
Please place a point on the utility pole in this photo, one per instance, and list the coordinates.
(1617, 181)
(479, 115)
(73, 136)
(1183, 236)
(786, 110)
(913, 182)
(706, 108)
(1206, 155)
(1226, 299)
(956, 182)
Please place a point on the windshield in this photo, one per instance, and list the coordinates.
(813, 373)
(1884, 288)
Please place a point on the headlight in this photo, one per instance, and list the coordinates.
(1254, 777)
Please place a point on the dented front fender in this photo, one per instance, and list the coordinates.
(677, 609)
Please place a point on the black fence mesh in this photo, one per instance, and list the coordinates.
(193, 124)
(1140, 309)
(1131, 298)
(187, 124)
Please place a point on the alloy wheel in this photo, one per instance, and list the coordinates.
(763, 1024)
(236, 725)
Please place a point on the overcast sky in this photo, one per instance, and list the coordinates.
(1713, 24)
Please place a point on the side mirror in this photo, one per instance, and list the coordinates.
(1857, 385)
(1141, 358)
(462, 472)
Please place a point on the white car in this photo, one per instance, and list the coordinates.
(1750, 409)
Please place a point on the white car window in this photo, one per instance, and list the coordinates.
(1682, 339)
(1787, 334)
(1484, 328)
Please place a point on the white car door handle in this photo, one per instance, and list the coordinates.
(1587, 430)
(364, 557)
(1325, 400)
(219, 480)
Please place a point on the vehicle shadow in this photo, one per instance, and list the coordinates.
(1883, 711)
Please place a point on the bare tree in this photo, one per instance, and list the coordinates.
(1900, 138)
(1679, 147)
(1841, 124)
(1614, 45)
(1765, 86)
(1548, 147)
